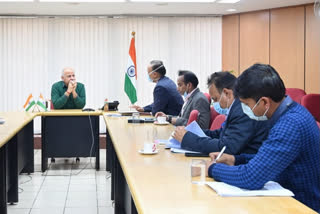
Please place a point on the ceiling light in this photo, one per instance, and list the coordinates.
(16, 0)
(231, 10)
(228, 1)
(175, 1)
(79, 1)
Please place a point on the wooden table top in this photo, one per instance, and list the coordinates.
(70, 112)
(161, 183)
(14, 122)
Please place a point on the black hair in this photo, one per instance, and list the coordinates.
(157, 66)
(190, 77)
(221, 80)
(182, 72)
(258, 81)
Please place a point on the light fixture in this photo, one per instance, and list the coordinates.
(228, 1)
(79, 1)
(16, 0)
(175, 1)
(231, 10)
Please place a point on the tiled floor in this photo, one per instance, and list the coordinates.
(66, 188)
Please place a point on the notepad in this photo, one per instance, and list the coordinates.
(192, 127)
(271, 188)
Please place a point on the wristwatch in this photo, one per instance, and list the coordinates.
(169, 118)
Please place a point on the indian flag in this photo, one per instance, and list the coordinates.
(41, 103)
(131, 73)
(29, 105)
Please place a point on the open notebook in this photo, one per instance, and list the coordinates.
(271, 188)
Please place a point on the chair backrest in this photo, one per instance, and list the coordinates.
(193, 116)
(218, 122)
(51, 105)
(213, 115)
(295, 93)
(312, 103)
(208, 97)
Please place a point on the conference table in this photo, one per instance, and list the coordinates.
(17, 144)
(69, 133)
(158, 183)
(16, 154)
(161, 183)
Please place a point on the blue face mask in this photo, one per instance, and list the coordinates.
(185, 95)
(149, 79)
(217, 107)
(249, 112)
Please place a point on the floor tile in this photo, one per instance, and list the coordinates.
(91, 210)
(56, 210)
(106, 210)
(18, 211)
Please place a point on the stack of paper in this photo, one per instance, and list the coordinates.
(192, 127)
(271, 188)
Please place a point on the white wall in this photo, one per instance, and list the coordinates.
(33, 52)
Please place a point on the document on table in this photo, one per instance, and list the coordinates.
(176, 150)
(270, 188)
(192, 127)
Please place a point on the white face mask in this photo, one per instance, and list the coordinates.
(249, 112)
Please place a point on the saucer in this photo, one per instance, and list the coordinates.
(157, 123)
(148, 153)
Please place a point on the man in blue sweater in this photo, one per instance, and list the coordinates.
(291, 153)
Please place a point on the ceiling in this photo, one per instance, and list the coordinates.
(130, 8)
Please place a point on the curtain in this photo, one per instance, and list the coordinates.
(33, 52)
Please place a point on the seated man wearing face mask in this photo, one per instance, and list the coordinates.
(291, 153)
(194, 100)
(166, 98)
(239, 133)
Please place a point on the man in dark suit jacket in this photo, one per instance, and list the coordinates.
(194, 100)
(239, 133)
(166, 98)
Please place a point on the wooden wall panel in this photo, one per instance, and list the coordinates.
(254, 38)
(230, 43)
(312, 72)
(287, 45)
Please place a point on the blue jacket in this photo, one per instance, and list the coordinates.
(290, 155)
(239, 134)
(166, 98)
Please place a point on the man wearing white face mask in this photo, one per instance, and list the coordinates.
(166, 98)
(194, 100)
(291, 153)
(239, 134)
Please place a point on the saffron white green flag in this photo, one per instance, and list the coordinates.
(29, 104)
(131, 73)
(41, 103)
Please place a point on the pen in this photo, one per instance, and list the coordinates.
(222, 150)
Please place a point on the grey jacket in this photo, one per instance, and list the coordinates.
(199, 102)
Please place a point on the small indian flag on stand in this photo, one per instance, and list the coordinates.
(30, 103)
(41, 103)
(131, 73)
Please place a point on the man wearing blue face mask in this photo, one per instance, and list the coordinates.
(166, 98)
(194, 100)
(291, 153)
(239, 134)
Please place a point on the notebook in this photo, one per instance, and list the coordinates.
(271, 188)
